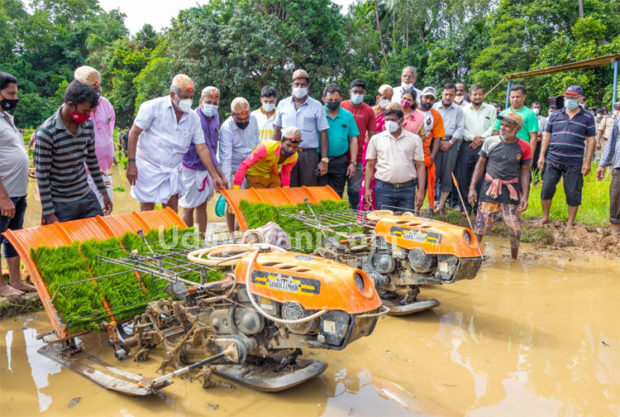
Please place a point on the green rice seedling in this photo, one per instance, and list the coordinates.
(79, 303)
(119, 285)
(307, 239)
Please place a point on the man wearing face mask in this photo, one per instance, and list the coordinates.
(266, 114)
(462, 97)
(447, 154)
(64, 148)
(302, 111)
(366, 124)
(342, 135)
(13, 183)
(196, 179)
(160, 137)
(398, 158)
(408, 78)
(238, 137)
(569, 133)
(479, 119)
(271, 162)
(104, 120)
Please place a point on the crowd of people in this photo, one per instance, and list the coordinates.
(452, 149)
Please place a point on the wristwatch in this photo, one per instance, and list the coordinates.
(326, 160)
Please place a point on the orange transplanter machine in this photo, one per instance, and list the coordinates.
(399, 252)
(248, 326)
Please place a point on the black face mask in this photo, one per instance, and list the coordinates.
(425, 107)
(7, 104)
(242, 125)
(332, 105)
(284, 153)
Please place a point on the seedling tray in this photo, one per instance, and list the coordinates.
(78, 231)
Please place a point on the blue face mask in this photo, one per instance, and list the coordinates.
(209, 110)
(571, 103)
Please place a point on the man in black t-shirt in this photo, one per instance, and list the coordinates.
(507, 160)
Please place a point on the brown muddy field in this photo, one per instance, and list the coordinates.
(538, 337)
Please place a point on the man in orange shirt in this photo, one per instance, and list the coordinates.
(433, 124)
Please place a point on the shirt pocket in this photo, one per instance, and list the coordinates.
(308, 123)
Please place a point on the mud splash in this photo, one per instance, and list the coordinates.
(537, 337)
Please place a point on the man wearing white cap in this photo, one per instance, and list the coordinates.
(238, 137)
(104, 119)
(160, 136)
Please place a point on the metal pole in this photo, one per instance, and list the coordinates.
(508, 93)
(614, 65)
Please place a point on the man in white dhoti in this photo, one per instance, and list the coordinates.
(161, 134)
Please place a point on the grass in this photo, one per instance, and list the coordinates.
(594, 209)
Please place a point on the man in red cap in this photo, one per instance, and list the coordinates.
(561, 154)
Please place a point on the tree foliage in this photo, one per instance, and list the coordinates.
(242, 45)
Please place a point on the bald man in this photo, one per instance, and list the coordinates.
(161, 134)
(104, 119)
(239, 135)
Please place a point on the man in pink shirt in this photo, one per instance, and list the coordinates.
(104, 119)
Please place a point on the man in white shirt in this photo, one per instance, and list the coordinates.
(160, 136)
(398, 157)
(238, 138)
(478, 121)
(266, 114)
(407, 80)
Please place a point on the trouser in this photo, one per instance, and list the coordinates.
(353, 186)
(336, 176)
(13, 223)
(535, 170)
(303, 171)
(614, 197)
(395, 196)
(466, 162)
(573, 182)
(445, 163)
(87, 206)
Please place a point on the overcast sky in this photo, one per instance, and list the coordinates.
(159, 12)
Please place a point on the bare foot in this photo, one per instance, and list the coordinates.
(8, 291)
(23, 287)
(542, 222)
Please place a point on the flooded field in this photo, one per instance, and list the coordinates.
(539, 337)
(536, 338)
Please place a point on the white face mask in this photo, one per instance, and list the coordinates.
(300, 92)
(268, 107)
(209, 110)
(406, 85)
(392, 126)
(185, 105)
(357, 98)
(536, 111)
(384, 103)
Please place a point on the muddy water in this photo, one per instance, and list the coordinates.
(536, 338)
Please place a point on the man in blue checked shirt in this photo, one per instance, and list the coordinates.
(612, 151)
